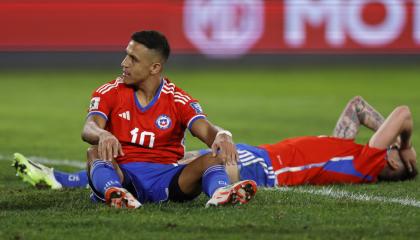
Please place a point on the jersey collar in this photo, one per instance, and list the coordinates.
(154, 100)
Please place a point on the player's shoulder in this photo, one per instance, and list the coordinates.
(110, 87)
(177, 94)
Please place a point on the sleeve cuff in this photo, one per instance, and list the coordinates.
(103, 115)
(193, 119)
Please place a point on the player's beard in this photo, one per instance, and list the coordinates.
(128, 80)
(131, 82)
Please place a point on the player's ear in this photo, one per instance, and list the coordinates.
(156, 68)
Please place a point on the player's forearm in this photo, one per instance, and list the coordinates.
(406, 140)
(205, 131)
(357, 112)
(217, 131)
(368, 116)
(348, 124)
(92, 132)
(406, 133)
(209, 138)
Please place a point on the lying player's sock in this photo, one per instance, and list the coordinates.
(104, 176)
(72, 180)
(213, 178)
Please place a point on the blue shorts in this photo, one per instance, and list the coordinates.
(148, 182)
(254, 164)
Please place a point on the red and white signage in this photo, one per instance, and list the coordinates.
(216, 28)
(224, 28)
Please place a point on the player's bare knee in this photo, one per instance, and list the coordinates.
(92, 154)
(218, 160)
(208, 160)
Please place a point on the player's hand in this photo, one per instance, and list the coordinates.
(225, 147)
(109, 147)
(409, 157)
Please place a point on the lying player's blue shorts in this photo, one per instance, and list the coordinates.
(148, 182)
(254, 164)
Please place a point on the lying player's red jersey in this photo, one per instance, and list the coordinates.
(324, 160)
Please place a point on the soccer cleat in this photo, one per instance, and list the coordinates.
(239, 193)
(120, 198)
(34, 173)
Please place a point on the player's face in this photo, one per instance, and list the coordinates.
(395, 172)
(139, 64)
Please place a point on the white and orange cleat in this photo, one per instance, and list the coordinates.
(239, 193)
(120, 198)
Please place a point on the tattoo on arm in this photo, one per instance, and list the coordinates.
(369, 117)
(357, 112)
(348, 124)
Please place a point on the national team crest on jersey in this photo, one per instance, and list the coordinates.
(94, 103)
(163, 122)
(197, 108)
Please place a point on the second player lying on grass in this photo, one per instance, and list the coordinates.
(321, 160)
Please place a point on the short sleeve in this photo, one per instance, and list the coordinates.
(101, 102)
(190, 109)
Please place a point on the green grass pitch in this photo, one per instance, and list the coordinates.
(42, 113)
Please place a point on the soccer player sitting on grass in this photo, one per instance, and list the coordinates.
(136, 127)
(388, 156)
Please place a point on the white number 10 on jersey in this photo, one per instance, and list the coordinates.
(143, 135)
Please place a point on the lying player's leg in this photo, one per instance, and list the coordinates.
(208, 174)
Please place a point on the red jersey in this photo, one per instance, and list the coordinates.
(324, 160)
(152, 133)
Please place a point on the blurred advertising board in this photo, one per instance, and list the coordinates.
(215, 28)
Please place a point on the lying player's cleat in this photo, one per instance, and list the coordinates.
(238, 193)
(34, 173)
(120, 198)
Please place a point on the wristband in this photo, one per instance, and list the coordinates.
(224, 132)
